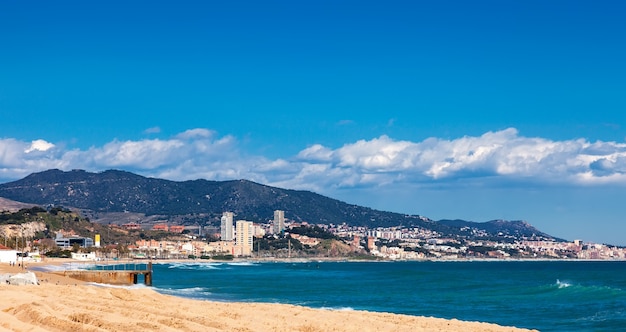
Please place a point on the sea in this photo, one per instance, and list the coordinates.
(562, 295)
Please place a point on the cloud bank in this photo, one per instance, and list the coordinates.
(493, 158)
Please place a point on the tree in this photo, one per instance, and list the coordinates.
(122, 250)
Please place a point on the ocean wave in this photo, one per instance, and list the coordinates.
(600, 291)
(603, 316)
(195, 266)
(135, 286)
(563, 284)
(206, 265)
(193, 292)
(241, 264)
(338, 308)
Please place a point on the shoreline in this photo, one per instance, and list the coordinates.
(348, 260)
(61, 303)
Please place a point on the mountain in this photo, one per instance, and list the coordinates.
(119, 191)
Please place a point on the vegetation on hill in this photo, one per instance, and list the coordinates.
(313, 231)
(60, 219)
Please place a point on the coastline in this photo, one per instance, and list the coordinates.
(60, 303)
(348, 260)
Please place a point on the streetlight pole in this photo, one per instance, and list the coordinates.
(22, 228)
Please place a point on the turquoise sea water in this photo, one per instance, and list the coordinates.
(543, 295)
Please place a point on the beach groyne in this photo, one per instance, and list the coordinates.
(113, 274)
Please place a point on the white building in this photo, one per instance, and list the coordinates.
(226, 229)
(7, 255)
(189, 249)
(279, 221)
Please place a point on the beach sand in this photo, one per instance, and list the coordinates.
(64, 304)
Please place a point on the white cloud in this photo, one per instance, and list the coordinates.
(501, 155)
(490, 159)
(145, 154)
(39, 145)
(316, 152)
(18, 158)
(11, 152)
(152, 130)
(195, 133)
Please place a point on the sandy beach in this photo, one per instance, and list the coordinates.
(64, 304)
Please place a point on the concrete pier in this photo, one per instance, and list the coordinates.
(120, 274)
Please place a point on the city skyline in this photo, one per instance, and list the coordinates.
(453, 110)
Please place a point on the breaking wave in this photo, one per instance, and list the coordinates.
(193, 292)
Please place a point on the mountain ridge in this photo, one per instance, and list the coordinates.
(122, 191)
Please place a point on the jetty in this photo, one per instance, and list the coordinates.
(114, 273)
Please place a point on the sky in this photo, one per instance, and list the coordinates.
(474, 110)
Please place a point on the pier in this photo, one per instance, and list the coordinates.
(114, 273)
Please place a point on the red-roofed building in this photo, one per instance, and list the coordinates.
(160, 227)
(177, 229)
(132, 226)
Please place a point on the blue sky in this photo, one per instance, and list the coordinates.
(476, 110)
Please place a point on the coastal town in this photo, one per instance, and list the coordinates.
(281, 238)
(393, 243)
(240, 239)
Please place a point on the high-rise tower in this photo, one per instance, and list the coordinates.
(226, 229)
(279, 221)
(245, 233)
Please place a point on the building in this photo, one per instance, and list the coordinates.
(7, 255)
(259, 231)
(177, 229)
(371, 243)
(305, 240)
(148, 244)
(221, 247)
(226, 229)
(243, 242)
(279, 222)
(356, 241)
(188, 248)
(68, 242)
(132, 226)
(160, 227)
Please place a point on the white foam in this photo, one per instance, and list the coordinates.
(195, 266)
(241, 264)
(193, 292)
(562, 284)
(135, 286)
(338, 308)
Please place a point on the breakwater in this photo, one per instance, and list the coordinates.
(113, 273)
